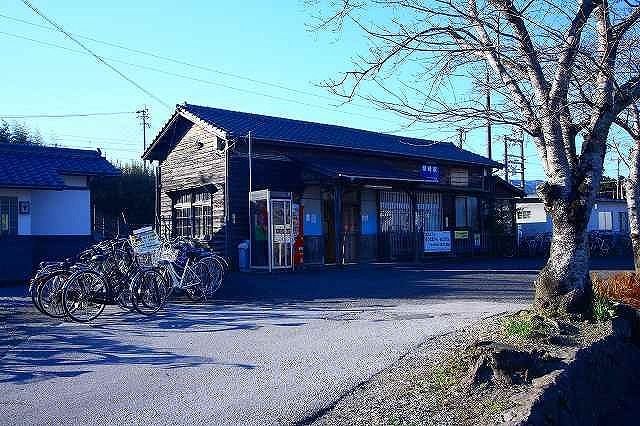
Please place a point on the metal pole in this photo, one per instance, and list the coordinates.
(250, 164)
(618, 187)
(522, 160)
(506, 160)
(249, 211)
(488, 117)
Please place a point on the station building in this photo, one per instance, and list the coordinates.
(347, 195)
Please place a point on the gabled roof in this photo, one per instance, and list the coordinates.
(42, 167)
(305, 133)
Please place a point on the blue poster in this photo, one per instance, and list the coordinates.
(430, 173)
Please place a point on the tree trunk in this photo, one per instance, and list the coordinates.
(563, 285)
(632, 194)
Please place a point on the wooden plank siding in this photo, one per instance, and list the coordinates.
(193, 162)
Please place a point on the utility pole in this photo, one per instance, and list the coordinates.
(461, 136)
(488, 110)
(506, 159)
(522, 159)
(143, 114)
(515, 160)
(618, 195)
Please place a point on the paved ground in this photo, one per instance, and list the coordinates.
(274, 349)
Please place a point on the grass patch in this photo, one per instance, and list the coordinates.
(519, 325)
(443, 378)
(603, 309)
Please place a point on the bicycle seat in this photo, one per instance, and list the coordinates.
(98, 258)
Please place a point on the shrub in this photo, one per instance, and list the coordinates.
(621, 286)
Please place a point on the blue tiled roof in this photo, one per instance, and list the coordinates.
(284, 130)
(35, 166)
(364, 168)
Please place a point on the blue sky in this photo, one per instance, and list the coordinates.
(266, 41)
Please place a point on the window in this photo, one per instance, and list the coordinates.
(623, 221)
(182, 216)
(467, 212)
(193, 215)
(459, 177)
(202, 215)
(8, 216)
(461, 211)
(604, 221)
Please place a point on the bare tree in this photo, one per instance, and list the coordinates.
(629, 121)
(551, 66)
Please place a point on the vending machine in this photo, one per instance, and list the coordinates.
(271, 230)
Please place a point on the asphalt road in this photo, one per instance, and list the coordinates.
(273, 349)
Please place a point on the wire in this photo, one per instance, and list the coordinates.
(98, 58)
(88, 114)
(200, 80)
(187, 64)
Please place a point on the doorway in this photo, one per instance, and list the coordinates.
(329, 226)
(351, 224)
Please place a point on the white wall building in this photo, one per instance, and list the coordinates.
(45, 204)
(607, 216)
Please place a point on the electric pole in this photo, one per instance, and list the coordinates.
(461, 136)
(516, 161)
(143, 115)
(488, 110)
(618, 195)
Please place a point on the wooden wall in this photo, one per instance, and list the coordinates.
(193, 162)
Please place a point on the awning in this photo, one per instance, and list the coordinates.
(365, 169)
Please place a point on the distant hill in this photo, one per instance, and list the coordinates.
(529, 185)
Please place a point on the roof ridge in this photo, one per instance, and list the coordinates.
(316, 123)
(47, 149)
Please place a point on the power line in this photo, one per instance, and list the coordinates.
(187, 64)
(201, 80)
(98, 58)
(100, 138)
(75, 115)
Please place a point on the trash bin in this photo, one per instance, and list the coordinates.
(243, 256)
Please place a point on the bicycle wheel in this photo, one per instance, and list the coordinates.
(196, 281)
(148, 292)
(123, 297)
(49, 298)
(84, 296)
(216, 275)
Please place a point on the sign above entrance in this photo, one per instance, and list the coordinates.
(430, 173)
(437, 241)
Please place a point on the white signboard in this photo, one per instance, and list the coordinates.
(437, 241)
(530, 213)
(145, 240)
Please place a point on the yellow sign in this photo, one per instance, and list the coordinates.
(461, 235)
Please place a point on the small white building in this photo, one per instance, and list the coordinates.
(45, 204)
(608, 215)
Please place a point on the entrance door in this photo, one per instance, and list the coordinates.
(282, 232)
(351, 222)
(329, 227)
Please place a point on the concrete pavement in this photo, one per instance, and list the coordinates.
(274, 349)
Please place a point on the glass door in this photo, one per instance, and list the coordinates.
(282, 234)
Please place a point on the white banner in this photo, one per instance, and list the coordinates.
(530, 213)
(145, 240)
(437, 241)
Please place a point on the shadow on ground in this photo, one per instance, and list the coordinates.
(35, 348)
